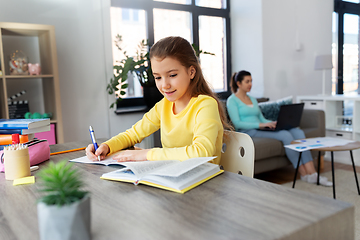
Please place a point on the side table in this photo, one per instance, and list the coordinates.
(348, 147)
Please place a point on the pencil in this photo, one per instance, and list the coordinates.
(66, 151)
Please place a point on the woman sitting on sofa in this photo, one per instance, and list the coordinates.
(246, 117)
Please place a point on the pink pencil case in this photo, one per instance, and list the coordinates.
(39, 151)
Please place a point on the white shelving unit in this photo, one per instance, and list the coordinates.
(38, 43)
(338, 124)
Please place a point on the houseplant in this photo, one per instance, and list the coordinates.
(140, 64)
(64, 210)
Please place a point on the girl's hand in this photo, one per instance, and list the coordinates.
(271, 125)
(102, 151)
(132, 155)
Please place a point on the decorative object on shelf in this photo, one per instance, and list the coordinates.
(17, 109)
(34, 68)
(37, 115)
(64, 213)
(18, 63)
(323, 62)
(140, 64)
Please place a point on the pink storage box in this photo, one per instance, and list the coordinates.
(49, 136)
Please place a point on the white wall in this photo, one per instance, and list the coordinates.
(263, 42)
(247, 41)
(83, 41)
(277, 41)
(304, 24)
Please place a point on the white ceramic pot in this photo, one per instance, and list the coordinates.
(69, 222)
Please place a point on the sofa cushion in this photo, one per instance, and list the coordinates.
(271, 109)
(267, 148)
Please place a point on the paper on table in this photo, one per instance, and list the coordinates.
(314, 143)
(108, 160)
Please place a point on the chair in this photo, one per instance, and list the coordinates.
(238, 153)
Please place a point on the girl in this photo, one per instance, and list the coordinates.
(189, 116)
(246, 116)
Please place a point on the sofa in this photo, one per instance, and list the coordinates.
(270, 153)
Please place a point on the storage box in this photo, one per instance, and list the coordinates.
(50, 135)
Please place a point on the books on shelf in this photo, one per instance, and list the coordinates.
(23, 123)
(26, 131)
(172, 175)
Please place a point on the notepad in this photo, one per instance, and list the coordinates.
(24, 180)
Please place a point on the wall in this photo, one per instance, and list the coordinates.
(84, 58)
(263, 41)
(247, 41)
(292, 36)
(277, 41)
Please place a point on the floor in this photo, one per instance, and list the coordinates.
(286, 174)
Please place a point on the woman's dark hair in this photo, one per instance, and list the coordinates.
(237, 77)
(180, 49)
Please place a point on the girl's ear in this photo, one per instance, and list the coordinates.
(192, 72)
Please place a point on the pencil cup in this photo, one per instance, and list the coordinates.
(16, 163)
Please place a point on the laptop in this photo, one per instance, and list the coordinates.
(289, 117)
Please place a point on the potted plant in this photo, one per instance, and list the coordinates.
(140, 64)
(64, 210)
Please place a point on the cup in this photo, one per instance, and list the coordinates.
(16, 163)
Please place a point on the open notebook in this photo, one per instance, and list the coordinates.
(172, 175)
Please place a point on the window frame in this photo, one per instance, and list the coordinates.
(196, 11)
(341, 8)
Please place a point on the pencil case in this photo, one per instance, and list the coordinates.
(39, 151)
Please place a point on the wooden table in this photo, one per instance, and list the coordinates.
(229, 206)
(347, 147)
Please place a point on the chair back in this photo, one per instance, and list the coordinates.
(238, 153)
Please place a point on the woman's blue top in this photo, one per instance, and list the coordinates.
(244, 116)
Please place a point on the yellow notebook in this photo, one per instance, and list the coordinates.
(172, 175)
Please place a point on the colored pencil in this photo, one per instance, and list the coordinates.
(66, 151)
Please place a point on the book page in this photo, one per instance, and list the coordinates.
(181, 167)
(187, 179)
(124, 174)
(140, 169)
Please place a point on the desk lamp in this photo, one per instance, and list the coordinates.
(323, 62)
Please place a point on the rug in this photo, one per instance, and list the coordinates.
(345, 189)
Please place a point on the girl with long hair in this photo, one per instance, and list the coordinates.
(190, 117)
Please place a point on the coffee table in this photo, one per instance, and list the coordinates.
(348, 147)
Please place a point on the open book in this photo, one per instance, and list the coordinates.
(173, 175)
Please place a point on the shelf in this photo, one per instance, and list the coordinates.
(29, 76)
(37, 43)
(340, 129)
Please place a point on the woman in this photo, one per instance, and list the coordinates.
(246, 117)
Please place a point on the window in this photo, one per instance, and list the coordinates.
(205, 23)
(345, 47)
(345, 50)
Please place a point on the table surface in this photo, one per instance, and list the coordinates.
(229, 206)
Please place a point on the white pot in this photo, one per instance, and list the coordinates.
(69, 222)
